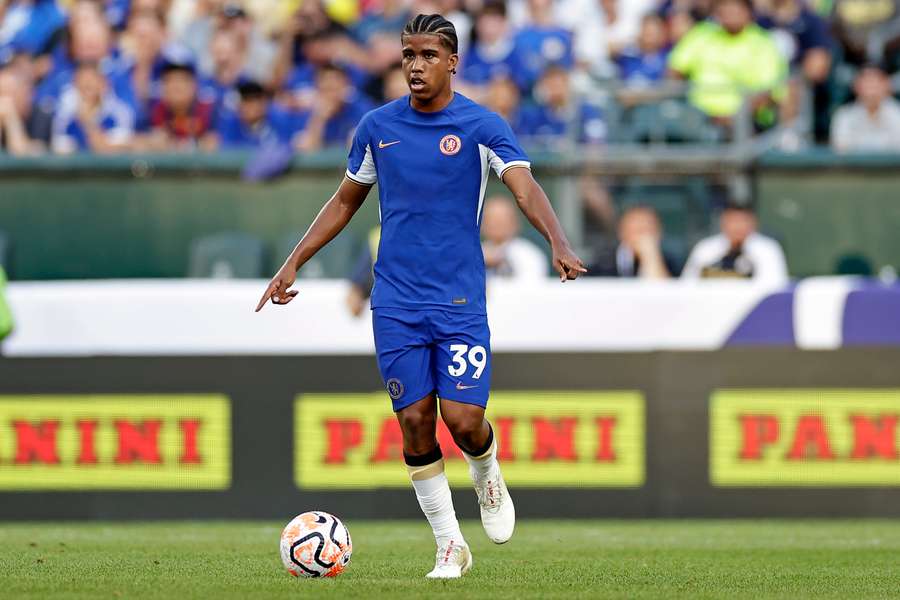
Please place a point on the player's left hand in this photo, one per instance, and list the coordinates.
(567, 264)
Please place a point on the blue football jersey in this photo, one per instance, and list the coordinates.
(431, 170)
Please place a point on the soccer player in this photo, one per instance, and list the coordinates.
(430, 153)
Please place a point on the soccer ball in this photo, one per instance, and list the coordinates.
(315, 544)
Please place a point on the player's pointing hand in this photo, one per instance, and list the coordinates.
(278, 290)
(567, 264)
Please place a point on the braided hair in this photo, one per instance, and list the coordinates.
(435, 25)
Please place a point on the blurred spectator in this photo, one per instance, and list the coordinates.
(24, 125)
(644, 64)
(390, 19)
(601, 28)
(181, 120)
(505, 253)
(800, 34)
(117, 12)
(137, 77)
(257, 52)
(680, 16)
(503, 98)
(806, 43)
(868, 30)
(872, 123)
(227, 70)
(256, 122)
(362, 278)
(28, 26)
(539, 44)
(305, 20)
(558, 118)
(394, 85)
(728, 59)
(738, 251)
(90, 117)
(453, 11)
(587, 21)
(88, 39)
(639, 253)
(491, 52)
(323, 49)
(336, 113)
(623, 22)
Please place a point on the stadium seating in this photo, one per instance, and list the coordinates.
(334, 261)
(227, 256)
(669, 121)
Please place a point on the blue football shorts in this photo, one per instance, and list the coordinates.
(425, 351)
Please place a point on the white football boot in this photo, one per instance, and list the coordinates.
(498, 515)
(453, 560)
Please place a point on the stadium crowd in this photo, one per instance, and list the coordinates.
(109, 76)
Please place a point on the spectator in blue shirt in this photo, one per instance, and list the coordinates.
(801, 34)
(806, 43)
(29, 26)
(336, 114)
(220, 84)
(88, 39)
(391, 19)
(138, 75)
(319, 50)
(491, 53)
(256, 122)
(645, 64)
(557, 119)
(117, 12)
(503, 98)
(24, 125)
(541, 43)
(89, 117)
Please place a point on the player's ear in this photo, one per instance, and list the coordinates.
(453, 62)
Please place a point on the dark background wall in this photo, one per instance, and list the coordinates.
(676, 386)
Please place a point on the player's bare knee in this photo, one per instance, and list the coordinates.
(467, 428)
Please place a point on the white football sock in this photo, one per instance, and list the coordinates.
(433, 493)
(482, 466)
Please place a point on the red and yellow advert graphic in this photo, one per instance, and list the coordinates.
(545, 439)
(804, 437)
(115, 442)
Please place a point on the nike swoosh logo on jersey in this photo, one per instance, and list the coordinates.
(381, 143)
(460, 386)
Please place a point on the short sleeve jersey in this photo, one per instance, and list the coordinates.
(432, 171)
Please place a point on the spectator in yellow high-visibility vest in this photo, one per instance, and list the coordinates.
(729, 59)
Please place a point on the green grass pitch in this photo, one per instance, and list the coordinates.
(545, 559)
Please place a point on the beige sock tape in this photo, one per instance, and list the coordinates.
(489, 450)
(427, 471)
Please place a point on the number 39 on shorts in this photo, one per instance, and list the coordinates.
(463, 356)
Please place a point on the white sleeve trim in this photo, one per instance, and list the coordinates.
(512, 164)
(366, 174)
(356, 179)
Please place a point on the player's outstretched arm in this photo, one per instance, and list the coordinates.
(534, 203)
(333, 217)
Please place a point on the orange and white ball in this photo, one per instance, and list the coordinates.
(315, 544)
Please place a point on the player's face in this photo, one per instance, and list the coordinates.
(427, 65)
